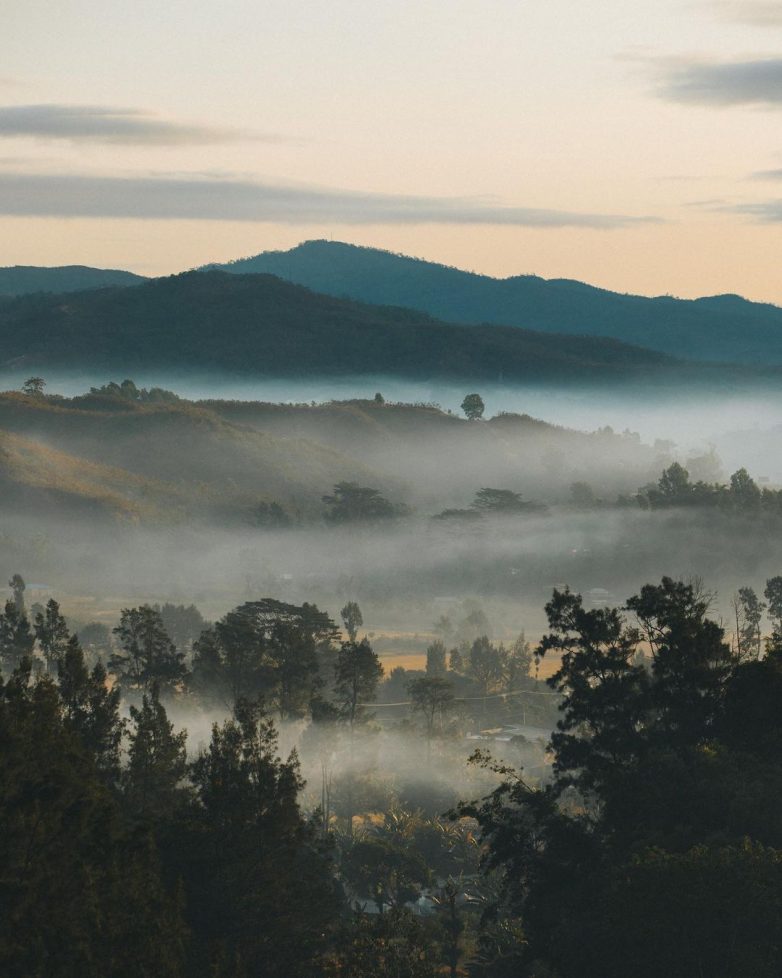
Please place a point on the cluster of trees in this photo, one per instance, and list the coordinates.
(157, 865)
(493, 502)
(741, 495)
(128, 391)
(656, 847)
(351, 503)
(122, 855)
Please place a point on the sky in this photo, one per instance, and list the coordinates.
(636, 146)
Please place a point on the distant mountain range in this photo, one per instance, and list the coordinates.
(26, 279)
(261, 326)
(722, 329)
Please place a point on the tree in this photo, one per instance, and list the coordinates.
(435, 659)
(486, 665)
(501, 502)
(51, 630)
(455, 662)
(432, 697)
(662, 733)
(748, 613)
(91, 710)
(773, 594)
(357, 672)
(690, 658)
(352, 503)
(265, 648)
(16, 638)
(518, 663)
(34, 386)
(674, 484)
(473, 407)
(352, 619)
(146, 654)
(18, 588)
(157, 759)
(744, 490)
(379, 399)
(183, 623)
(259, 884)
(82, 892)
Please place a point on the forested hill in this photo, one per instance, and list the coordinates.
(724, 328)
(26, 279)
(259, 325)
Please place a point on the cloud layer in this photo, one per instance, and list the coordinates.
(107, 124)
(764, 211)
(717, 84)
(41, 195)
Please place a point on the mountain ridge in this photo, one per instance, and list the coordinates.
(261, 325)
(28, 279)
(722, 328)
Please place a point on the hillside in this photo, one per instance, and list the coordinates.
(37, 480)
(214, 462)
(187, 460)
(723, 328)
(27, 279)
(259, 325)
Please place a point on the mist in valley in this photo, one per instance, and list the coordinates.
(343, 599)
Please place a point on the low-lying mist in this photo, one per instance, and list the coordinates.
(743, 424)
(404, 576)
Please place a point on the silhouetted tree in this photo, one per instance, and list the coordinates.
(748, 613)
(259, 885)
(266, 648)
(16, 638)
(82, 892)
(352, 619)
(473, 407)
(432, 697)
(357, 672)
(91, 709)
(51, 630)
(18, 588)
(157, 759)
(773, 594)
(502, 502)
(34, 386)
(435, 659)
(352, 503)
(146, 654)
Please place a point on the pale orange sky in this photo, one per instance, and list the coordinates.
(634, 146)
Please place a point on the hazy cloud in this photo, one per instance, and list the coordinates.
(108, 124)
(767, 175)
(245, 200)
(764, 211)
(723, 84)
